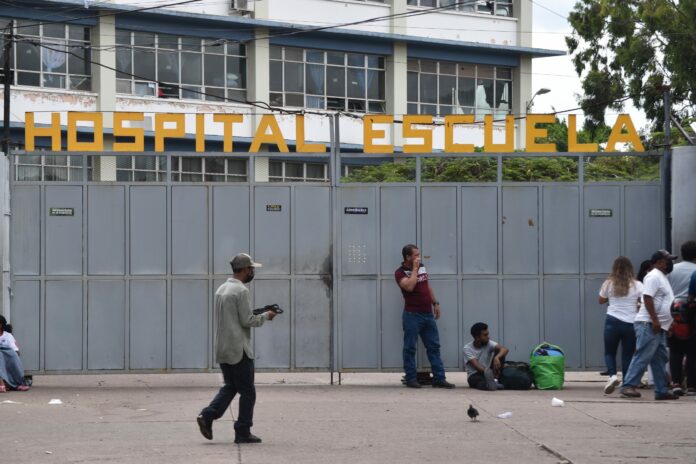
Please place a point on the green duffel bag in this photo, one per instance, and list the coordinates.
(547, 362)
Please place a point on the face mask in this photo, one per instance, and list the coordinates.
(250, 277)
(670, 267)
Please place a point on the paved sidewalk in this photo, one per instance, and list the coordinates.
(370, 418)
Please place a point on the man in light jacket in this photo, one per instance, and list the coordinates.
(233, 351)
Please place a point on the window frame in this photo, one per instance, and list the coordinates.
(330, 101)
(480, 7)
(180, 90)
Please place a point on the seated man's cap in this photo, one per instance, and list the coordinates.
(662, 254)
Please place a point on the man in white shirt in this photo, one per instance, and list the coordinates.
(651, 325)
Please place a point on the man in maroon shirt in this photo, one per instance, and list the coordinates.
(421, 309)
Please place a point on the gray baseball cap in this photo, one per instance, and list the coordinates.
(242, 261)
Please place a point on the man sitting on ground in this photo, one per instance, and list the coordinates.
(483, 359)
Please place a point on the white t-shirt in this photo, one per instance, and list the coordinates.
(679, 278)
(656, 285)
(8, 341)
(623, 308)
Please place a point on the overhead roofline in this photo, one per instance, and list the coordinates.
(347, 33)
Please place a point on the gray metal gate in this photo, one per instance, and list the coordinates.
(525, 257)
(120, 276)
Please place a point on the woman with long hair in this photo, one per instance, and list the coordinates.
(622, 291)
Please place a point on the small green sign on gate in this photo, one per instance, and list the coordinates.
(601, 213)
(61, 211)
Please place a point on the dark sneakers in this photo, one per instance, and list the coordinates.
(413, 384)
(205, 426)
(630, 392)
(442, 384)
(666, 396)
(251, 438)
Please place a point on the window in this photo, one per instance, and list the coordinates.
(168, 66)
(441, 88)
(327, 80)
(56, 168)
(50, 55)
(491, 7)
(296, 171)
(141, 168)
(203, 169)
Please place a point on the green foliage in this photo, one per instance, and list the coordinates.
(622, 168)
(631, 48)
(459, 169)
(401, 171)
(542, 169)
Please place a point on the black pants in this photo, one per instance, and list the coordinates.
(677, 350)
(239, 378)
(478, 380)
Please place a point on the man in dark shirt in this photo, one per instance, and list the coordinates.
(421, 309)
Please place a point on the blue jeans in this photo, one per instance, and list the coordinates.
(422, 324)
(651, 348)
(615, 331)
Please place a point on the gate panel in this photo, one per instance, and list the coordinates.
(230, 225)
(358, 324)
(392, 333)
(189, 230)
(561, 311)
(479, 230)
(26, 230)
(106, 324)
(595, 315)
(148, 230)
(63, 349)
(148, 324)
(561, 230)
(439, 229)
(312, 230)
(26, 321)
(64, 233)
(520, 316)
(643, 232)
(359, 232)
(312, 324)
(272, 229)
(480, 304)
(106, 230)
(272, 340)
(397, 225)
(520, 230)
(190, 324)
(602, 234)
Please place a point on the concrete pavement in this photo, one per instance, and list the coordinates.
(370, 418)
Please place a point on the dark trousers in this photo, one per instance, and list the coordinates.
(617, 331)
(479, 381)
(677, 350)
(239, 378)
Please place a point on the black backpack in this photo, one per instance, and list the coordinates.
(516, 376)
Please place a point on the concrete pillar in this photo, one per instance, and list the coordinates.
(683, 194)
(522, 87)
(396, 73)
(104, 84)
(258, 86)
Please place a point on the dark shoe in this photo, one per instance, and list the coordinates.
(604, 373)
(442, 384)
(413, 384)
(205, 426)
(678, 391)
(666, 396)
(630, 393)
(251, 438)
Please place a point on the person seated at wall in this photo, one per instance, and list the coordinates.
(483, 359)
(11, 370)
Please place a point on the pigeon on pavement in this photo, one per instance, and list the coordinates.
(472, 412)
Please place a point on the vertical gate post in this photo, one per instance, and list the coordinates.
(667, 168)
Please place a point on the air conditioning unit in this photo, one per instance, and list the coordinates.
(241, 6)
